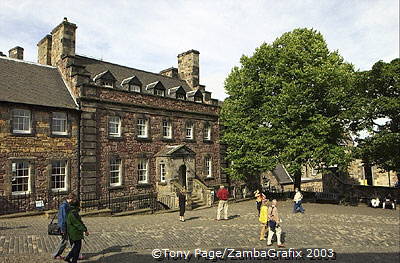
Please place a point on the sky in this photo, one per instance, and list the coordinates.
(149, 35)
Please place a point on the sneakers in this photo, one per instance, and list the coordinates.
(281, 245)
(59, 257)
(81, 257)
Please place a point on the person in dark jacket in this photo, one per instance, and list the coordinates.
(182, 204)
(62, 223)
(76, 228)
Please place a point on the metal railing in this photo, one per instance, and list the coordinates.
(116, 202)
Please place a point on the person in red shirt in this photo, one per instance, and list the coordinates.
(223, 196)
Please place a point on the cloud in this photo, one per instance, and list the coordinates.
(149, 34)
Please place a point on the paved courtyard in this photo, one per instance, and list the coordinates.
(355, 234)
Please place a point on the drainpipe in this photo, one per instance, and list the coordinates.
(79, 150)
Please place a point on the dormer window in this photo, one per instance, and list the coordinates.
(107, 84)
(196, 96)
(159, 92)
(134, 88)
(198, 99)
(157, 88)
(105, 79)
(177, 92)
(132, 84)
(181, 96)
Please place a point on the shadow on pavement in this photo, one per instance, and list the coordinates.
(10, 228)
(192, 218)
(113, 249)
(233, 217)
(340, 257)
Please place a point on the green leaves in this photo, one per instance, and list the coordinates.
(376, 95)
(285, 105)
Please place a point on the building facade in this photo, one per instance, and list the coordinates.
(38, 130)
(127, 131)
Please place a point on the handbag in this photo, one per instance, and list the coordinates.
(53, 228)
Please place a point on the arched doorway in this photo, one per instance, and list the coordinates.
(182, 175)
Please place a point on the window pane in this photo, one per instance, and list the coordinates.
(167, 129)
(21, 121)
(20, 179)
(59, 122)
(189, 131)
(58, 175)
(114, 126)
(115, 172)
(162, 172)
(142, 128)
(142, 171)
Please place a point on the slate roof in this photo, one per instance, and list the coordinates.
(35, 84)
(282, 175)
(95, 67)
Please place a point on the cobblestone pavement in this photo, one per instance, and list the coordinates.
(356, 234)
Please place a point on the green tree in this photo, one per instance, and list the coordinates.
(285, 105)
(376, 97)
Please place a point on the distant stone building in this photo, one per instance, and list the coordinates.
(125, 130)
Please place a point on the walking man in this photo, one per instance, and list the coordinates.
(76, 228)
(298, 197)
(62, 223)
(223, 196)
(274, 225)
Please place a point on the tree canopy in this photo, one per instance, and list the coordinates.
(286, 105)
(376, 96)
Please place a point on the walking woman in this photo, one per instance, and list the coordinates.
(182, 204)
(75, 229)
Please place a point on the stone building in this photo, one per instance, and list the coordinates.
(38, 129)
(136, 131)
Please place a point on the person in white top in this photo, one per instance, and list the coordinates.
(298, 197)
(375, 202)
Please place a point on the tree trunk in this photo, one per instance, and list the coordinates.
(297, 179)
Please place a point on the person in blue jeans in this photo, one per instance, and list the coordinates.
(298, 197)
(62, 223)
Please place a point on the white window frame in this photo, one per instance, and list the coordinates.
(142, 128)
(189, 127)
(15, 176)
(167, 129)
(143, 171)
(62, 120)
(107, 83)
(208, 166)
(198, 99)
(159, 92)
(115, 171)
(163, 173)
(180, 96)
(115, 122)
(207, 132)
(134, 88)
(60, 174)
(25, 116)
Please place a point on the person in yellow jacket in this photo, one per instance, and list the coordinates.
(263, 219)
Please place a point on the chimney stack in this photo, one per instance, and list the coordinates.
(188, 67)
(17, 53)
(170, 72)
(61, 42)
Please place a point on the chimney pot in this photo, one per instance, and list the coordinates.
(16, 52)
